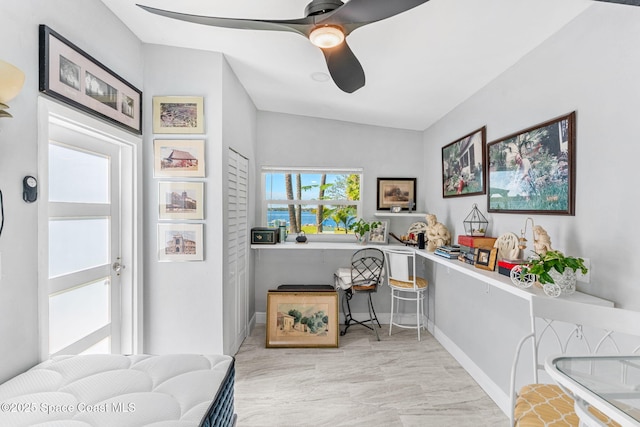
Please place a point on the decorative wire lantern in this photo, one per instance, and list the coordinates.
(475, 224)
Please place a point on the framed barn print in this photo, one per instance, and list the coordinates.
(463, 163)
(178, 158)
(533, 171)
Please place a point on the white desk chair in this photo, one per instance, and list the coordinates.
(363, 277)
(405, 286)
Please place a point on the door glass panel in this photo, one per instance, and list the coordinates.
(77, 176)
(101, 347)
(77, 312)
(77, 244)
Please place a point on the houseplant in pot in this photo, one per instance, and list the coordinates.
(555, 271)
(361, 228)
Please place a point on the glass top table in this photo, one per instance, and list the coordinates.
(610, 384)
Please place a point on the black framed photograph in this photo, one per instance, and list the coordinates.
(72, 76)
(533, 171)
(396, 192)
(485, 258)
(463, 164)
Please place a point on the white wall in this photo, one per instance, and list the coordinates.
(185, 301)
(110, 42)
(589, 66)
(288, 140)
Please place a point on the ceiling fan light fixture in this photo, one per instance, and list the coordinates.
(326, 37)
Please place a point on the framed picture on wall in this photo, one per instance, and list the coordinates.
(396, 192)
(180, 242)
(533, 170)
(178, 158)
(463, 163)
(72, 76)
(178, 114)
(181, 200)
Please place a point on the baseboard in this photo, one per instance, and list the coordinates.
(491, 388)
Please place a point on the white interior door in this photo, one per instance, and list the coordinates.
(237, 207)
(83, 265)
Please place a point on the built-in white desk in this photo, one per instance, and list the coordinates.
(490, 278)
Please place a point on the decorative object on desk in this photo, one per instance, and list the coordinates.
(421, 241)
(411, 237)
(437, 234)
(486, 258)
(507, 245)
(264, 236)
(475, 224)
(361, 229)
(301, 238)
(541, 239)
(178, 158)
(555, 272)
(403, 239)
(506, 265)
(302, 319)
(396, 192)
(463, 163)
(521, 279)
(70, 75)
(379, 234)
(178, 114)
(533, 171)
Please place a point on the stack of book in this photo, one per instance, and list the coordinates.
(469, 244)
(448, 251)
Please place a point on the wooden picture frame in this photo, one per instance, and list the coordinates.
(180, 242)
(72, 76)
(180, 200)
(290, 312)
(533, 171)
(178, 158)
(178, 114)
(396, 192)
(380, 234)
(463, 165)
(485, 258)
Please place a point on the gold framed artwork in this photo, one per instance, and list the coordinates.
(485, 258)
(178, 114)
(181, 200)
(302, 319)
(178, 158)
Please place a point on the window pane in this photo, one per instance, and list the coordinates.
(78, 244)
(77, 312)
(77, 176)
(333, 220)
(308, 186)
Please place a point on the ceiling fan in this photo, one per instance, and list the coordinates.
(326, 24)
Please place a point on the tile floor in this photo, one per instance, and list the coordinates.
(397, 381)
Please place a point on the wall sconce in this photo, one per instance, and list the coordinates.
(11, 81)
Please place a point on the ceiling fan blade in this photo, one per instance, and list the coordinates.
(302, 26)
(344, 67)
(361, 12)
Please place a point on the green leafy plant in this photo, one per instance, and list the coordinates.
(362, 227)
(542, 265)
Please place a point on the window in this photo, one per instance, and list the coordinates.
(313, 200)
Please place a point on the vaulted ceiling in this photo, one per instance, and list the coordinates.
(419, 65)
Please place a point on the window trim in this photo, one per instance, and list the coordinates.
(264, 170)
